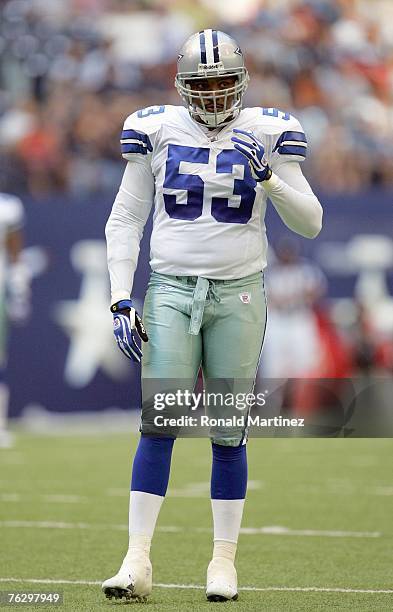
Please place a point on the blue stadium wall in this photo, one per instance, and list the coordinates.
(65, 359)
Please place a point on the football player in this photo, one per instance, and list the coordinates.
(14, 291)
(209, 168)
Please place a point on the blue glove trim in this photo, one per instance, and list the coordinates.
(122, 305)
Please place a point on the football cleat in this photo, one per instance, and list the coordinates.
(133, 580)
(221, 580)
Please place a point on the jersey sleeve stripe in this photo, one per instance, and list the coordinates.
(298, 137)
(293, 142)
(133, 136)
(133, 147)
(133, 141)
(293, 150)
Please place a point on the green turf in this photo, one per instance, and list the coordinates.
(339, 484)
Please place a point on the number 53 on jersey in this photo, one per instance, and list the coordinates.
(180, 178)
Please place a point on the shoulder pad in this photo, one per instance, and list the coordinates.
(140, 129)
(292, 141)
(288, 137)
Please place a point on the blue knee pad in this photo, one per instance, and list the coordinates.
(229, 472)
(152, 464)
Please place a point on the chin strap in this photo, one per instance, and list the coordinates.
(201, 118)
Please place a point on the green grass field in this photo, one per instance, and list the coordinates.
(63, 518)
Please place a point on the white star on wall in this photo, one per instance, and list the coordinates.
(88, 321)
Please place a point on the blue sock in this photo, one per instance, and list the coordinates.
(229, 472)
(152, 464)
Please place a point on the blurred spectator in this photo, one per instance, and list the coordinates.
(14, 291)
(305, 361)
(71, 71)
(292, 347)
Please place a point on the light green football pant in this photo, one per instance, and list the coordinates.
(192, 323)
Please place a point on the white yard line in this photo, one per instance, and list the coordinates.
(200, 586)
(197, 490)
(59, 525)
(268, 530)
(50, 498)
(277, 530)
(64, 499)
(383, 491)
(201, 489)
(191, 489)
(118, 492)
(10, 497)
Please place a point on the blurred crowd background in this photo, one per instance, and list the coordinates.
(72, 70)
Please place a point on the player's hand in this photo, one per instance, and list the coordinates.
(254, 151)
(127, 325)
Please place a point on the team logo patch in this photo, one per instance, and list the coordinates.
(245, 297)
(116, 324)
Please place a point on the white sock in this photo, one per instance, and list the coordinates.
(227, 518)
(139, 545)
(144, 511)
(224, 549)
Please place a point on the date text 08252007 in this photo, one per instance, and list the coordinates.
(21, 598)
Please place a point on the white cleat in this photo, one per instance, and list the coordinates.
(221, 580)
(133, 580)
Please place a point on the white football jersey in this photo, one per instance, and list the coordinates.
(11, 219)
(208, 210)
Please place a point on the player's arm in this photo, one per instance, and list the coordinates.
(124, 227)
(282, 178)
(123, 232)
(294, 200)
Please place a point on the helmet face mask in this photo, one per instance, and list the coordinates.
(209, 105)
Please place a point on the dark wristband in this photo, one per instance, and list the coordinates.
(268, 175)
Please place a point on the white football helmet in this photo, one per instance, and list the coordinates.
(211, 54)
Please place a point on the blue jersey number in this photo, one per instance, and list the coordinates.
(274, 112)
(193, 185)
(150, 110)
(190, 183)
